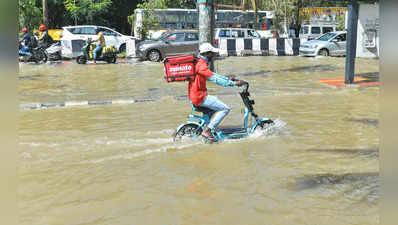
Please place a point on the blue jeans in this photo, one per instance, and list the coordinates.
(97, 51)
(25, 51)
(218, 108)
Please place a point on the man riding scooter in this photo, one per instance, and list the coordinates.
(45, 39)
(27, 40)
(197, 91)
(101, 43)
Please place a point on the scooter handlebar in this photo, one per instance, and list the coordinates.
(245, 84)
(242, 82)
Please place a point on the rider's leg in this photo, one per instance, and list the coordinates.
(96, 52)
(25, 51)
(219, 107)
(210, 114)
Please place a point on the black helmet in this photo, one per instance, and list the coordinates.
(96, 29)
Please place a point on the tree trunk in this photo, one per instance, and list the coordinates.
(45, 13)
(206, 23)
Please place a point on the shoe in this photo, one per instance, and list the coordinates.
(210, 138)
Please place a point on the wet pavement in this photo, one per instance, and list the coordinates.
(96, 146)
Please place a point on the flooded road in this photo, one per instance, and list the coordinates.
(117, 164)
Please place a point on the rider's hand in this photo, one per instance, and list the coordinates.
(232, 78)
(239, 83)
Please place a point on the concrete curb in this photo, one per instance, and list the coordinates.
(259, 46)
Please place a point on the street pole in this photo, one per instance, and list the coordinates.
(206, 23)
(352, 30)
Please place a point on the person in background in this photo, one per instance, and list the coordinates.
(36, 35)
(101, 44)
(275, 34)
(197, 91)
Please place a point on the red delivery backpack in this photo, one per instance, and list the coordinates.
(180, 68)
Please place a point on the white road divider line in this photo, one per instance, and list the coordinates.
(68, 104)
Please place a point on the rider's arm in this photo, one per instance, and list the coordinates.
(42, 36)
(221, 80)
(98, 37)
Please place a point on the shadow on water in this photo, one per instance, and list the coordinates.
(361, 186)
(29, 77)
(372, 122)
(316, 68)
(355, 152)
(373, 76)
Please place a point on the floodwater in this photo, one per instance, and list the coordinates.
(117, 164)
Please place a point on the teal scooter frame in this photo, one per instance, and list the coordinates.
(196, 124)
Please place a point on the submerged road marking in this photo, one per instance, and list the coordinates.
(67, 104)
(339, 82)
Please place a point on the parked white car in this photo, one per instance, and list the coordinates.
(73, 38)
(333, 44)
(313, 31)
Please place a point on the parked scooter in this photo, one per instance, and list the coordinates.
(38, 55)
(107, 54)
(194, 127)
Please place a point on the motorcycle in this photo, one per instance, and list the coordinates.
(194, 127)
(107, 54)
(38, 55)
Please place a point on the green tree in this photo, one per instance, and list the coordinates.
(148, 19)
(86, 9)
(29, 14)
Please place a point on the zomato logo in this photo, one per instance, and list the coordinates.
(181, 68)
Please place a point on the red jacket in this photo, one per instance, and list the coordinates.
(197, 90)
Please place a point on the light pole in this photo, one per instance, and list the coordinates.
(352, 30)
(206, 23)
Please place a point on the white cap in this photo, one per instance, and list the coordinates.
(207, 47)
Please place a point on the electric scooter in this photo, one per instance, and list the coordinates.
(107, 54)
(196, 124)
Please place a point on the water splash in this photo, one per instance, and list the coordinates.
(270, 130)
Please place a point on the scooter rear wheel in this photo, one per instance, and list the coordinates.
(187, 131)
(111, 59)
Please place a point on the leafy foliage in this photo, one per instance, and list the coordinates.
(29, 14)
(86, 8)
(148, 19)
(118, 13)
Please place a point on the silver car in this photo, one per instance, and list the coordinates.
(173, 43)
(333, 44)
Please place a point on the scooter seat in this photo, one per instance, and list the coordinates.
(202, 109)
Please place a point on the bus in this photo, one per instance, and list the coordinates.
(188, 19)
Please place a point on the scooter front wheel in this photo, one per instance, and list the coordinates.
(187, 131)
(81, 60)
(262, 125)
